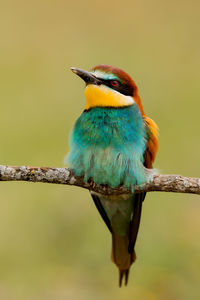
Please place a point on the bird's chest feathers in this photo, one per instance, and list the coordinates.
(108, 145)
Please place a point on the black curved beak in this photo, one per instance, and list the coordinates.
(86, 76)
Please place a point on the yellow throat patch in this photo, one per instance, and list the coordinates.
(100, 95)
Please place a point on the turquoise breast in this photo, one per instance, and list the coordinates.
(108, 145)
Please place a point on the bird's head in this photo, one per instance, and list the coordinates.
(107, 86)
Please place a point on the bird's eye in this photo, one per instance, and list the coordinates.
(114, 83)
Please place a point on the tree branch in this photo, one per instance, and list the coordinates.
(162, 183)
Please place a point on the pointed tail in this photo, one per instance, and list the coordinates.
(123, 252)
(121, 257)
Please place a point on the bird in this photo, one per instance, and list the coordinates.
(114, 143)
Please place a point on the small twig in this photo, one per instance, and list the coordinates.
(162, 183)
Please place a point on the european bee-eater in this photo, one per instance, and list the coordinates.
(114, 143)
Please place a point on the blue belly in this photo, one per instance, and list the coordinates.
(108, 145)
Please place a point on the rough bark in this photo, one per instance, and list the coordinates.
(162, 183)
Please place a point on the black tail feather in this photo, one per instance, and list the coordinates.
(123, 274)
(135, 222)
(101, 210)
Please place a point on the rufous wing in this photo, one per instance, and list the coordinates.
(152, 144)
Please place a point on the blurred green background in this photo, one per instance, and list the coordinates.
(53, 243)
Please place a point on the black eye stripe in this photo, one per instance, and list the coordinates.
(122, 88)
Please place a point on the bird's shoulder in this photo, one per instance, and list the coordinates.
(152, 141)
